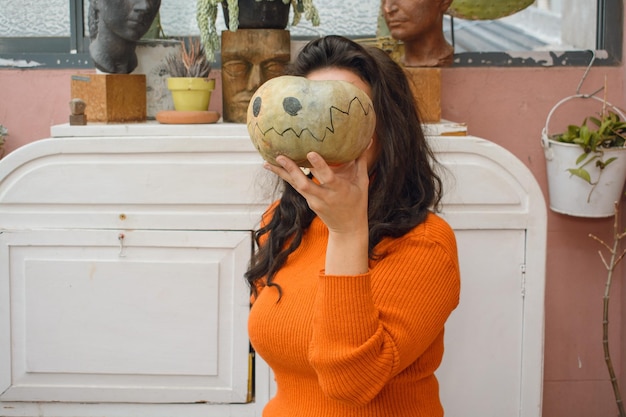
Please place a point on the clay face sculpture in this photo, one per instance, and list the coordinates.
(419, 25)
(292, 116)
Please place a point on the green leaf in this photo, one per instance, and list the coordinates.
(603, 164)
(581, 158)
(594, 120)
(581, 173)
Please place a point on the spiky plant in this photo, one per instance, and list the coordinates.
(190, 62)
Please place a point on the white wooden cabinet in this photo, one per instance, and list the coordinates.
(122, 251)
(91, 321)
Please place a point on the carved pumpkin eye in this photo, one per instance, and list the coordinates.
(256, 106)
(292, 106)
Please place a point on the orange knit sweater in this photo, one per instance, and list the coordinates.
(365, 345)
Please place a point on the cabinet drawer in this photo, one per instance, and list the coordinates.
(124, 316)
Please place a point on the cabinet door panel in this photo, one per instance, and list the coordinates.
(151, 317)
(484, 335)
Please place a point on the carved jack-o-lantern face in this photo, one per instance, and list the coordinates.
(293, 116)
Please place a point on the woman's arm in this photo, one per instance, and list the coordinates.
(369, 328)
(338, 195)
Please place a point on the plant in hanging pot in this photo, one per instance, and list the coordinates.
(586, 164)
(249, 14)
(189, 83)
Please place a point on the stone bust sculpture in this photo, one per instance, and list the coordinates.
(115, 26)
(419, 25)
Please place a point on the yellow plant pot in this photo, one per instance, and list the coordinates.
(191, 94)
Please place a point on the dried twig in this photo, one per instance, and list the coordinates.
(610, 266)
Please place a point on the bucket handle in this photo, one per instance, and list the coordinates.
(544, 132)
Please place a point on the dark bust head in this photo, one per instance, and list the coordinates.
(115, 26)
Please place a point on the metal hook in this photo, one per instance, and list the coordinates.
(121, 253)
(582, 80)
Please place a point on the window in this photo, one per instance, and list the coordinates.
(549, 33)
(43, 35)
(52, 34)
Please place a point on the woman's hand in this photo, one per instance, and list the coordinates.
(339, 196)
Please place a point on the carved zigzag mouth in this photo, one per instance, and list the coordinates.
(334, 112)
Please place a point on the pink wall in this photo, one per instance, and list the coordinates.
(33, 100)
(507, 106)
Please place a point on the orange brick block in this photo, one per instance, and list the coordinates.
(426, 87)
(112, 98)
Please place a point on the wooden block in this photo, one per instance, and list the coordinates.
(426, 86)
(78, 120)
(112, 98)
(250, 57)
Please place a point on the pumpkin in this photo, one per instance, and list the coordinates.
(293, 116)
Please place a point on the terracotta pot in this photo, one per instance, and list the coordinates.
(260, 14)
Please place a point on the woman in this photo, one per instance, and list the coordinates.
(355, 277)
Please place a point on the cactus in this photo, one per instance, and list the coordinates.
(486, 9)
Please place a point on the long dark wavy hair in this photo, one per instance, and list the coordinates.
(404, 186)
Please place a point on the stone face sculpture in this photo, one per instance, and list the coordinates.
(419, 25)
(115, 26)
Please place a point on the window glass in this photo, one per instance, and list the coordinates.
(546, 25)
(34, 18)
(546, 33)
(178, 18)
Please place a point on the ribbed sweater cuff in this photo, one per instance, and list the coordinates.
(345, 309)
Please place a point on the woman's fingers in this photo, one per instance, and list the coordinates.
(288, 171)
(329, 178)
(319, 168)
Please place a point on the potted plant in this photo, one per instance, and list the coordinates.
(207, 15)
(4, 132)
(586, 164)
(189, 79)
